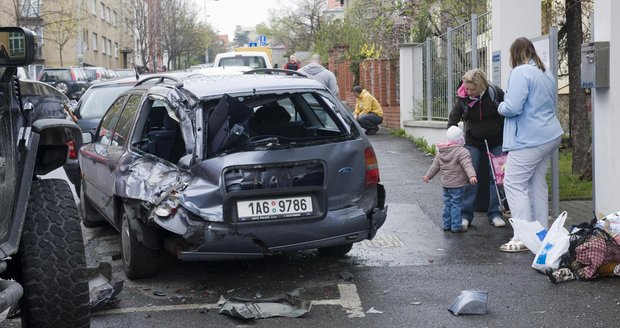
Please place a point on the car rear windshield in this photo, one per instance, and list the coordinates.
(272, 121)
(251, 61)
(56, 75)
(96, 101)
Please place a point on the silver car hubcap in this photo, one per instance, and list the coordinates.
(126, 241)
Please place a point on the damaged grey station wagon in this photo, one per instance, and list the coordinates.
(230, 167)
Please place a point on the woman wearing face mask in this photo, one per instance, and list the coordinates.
(477, 107)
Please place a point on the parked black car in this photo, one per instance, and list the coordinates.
(47, 102)
(230, 167)
(72, 81)
(96, 101)
(97, 73)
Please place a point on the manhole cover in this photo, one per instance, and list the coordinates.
(383, 241)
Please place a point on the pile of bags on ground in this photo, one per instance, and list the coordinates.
(584, 252)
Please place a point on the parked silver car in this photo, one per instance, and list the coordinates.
(230, 167)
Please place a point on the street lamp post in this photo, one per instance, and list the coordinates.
(205, 21)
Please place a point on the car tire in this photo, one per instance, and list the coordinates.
(62, 87)
(335, 251)
(90, 217)
(139, 262)
(52, 260)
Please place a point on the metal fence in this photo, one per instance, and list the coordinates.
(446, 58)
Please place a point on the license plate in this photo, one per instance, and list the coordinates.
(260, 209)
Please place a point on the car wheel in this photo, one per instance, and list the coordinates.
(62, 87)
(138, 261)
(52, 260)
(90, 217)
(335, 251)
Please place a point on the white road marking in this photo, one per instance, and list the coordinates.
(349, 300)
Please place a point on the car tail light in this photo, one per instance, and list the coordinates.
(72, 151)
(72, 75)
(372, 167)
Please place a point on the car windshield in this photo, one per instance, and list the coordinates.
(271, 121)
(96, 101)
(251, 61)
(124, 73)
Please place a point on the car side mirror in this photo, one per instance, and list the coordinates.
(87, 137)
(20, 51)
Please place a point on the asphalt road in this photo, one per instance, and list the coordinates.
(406, 277)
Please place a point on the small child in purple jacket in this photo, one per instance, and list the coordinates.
(454, 163)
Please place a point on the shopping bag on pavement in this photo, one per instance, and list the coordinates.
(554, 245)
(530, 233)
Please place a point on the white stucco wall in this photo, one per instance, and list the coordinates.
(512, 19)
(606, 113)
(406, 81)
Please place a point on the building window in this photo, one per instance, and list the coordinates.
(109, 47)
(107, 15)
(93, 7)
(94, 41)
(115, 49)
(114, 18)
(16, 44)
(102, 11)
(30, 8)
(103, 44)
(85, 41)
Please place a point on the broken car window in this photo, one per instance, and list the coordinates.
(108, 123)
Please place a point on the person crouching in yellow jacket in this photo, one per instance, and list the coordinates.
(368, 112)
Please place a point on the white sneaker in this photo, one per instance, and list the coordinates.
(497, 222)
(464, 225)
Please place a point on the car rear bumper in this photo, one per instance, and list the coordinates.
(224, 241)
(72, 169)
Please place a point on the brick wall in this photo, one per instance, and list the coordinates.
(341, 68)
(378, 76)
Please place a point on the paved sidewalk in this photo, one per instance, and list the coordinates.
(578, 211)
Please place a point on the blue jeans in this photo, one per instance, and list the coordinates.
(469, 198)
(452, 202)
(370, 121)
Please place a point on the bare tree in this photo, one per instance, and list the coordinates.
(61, 24)
(295, 26)
(59, 19)
(185, 40)
(385, 24)
(579, 122)
(140, 24)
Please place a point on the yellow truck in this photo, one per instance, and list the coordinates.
(265, 49)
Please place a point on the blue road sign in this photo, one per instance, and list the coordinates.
(252, 44)
(262, 39)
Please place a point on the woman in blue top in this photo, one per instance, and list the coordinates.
(532, 132)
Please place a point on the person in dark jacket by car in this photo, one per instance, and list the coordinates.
(477, 107)
(292, 64)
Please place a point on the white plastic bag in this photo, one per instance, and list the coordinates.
(554, 245)
(531, 233)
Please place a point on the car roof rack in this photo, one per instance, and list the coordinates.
(163, 77)
(274, 71)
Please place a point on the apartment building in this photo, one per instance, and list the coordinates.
(89, 32)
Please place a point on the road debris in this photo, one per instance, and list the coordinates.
(101, 290)
(283, 305)
(372, 310)
(469, 302)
